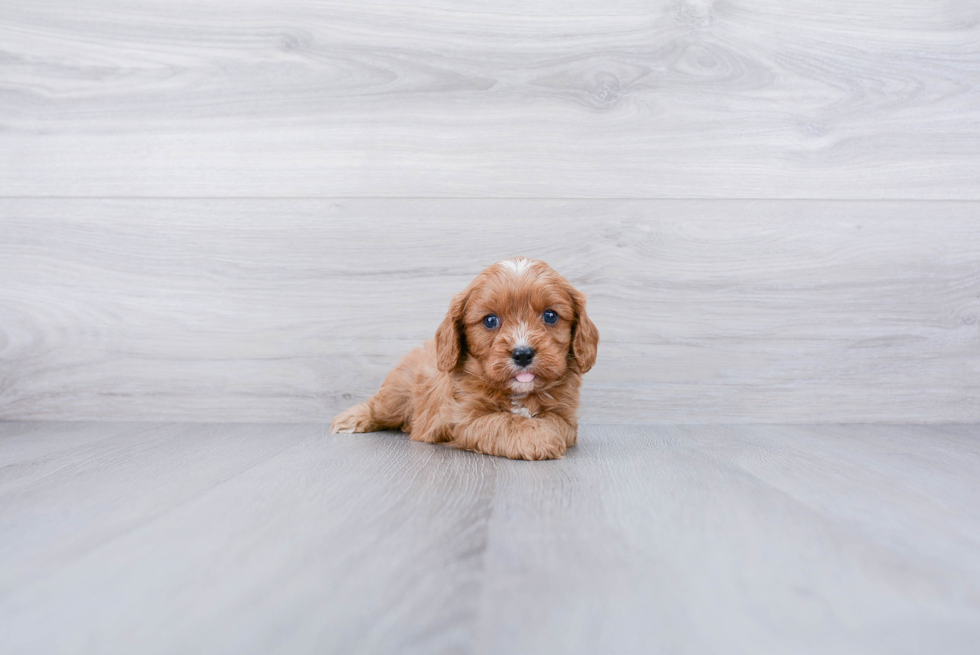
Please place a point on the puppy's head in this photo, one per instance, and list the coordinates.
(520, 326)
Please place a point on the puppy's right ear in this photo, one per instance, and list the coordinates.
(450, 337)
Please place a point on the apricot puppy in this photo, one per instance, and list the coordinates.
(502, 375)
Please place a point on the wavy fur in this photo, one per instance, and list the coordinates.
(460, 387)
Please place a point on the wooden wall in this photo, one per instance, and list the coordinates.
(249, 210)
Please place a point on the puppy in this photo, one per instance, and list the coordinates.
(502, 375)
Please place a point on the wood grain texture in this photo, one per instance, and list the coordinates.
(716, 539)
(281, 538)
(126, 479)
(275, 310)
(329, 545)
(583, 98)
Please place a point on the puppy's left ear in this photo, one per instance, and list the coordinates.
(585, 335)
(450, 338)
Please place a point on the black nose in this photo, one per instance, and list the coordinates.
(522, 356)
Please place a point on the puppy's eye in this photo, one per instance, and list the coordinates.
(490, 321)
(550, 316)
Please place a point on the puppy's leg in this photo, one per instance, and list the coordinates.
(515, 436)
(382, 411)
(389, 409)
(355, 419)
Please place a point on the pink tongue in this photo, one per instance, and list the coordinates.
(524, 377)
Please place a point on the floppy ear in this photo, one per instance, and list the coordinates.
(450, 338)
(585, 335)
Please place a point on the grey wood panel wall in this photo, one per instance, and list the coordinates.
(559, 98)
(248, 210)
(787, 311)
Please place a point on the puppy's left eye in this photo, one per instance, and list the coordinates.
(550, 316)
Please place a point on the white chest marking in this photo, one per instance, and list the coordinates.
(520, 410)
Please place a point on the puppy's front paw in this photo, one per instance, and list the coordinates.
(543, 450)
(537, 442)
(355, 419)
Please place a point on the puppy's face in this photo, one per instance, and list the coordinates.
(520, 326)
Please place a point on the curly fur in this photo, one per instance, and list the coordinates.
(460, 388)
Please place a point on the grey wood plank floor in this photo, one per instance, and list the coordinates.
(161, 538)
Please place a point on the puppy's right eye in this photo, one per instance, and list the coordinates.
(490, 321)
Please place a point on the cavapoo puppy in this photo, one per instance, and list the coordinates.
(502, 375)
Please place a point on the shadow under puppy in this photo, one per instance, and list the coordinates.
(502, 375)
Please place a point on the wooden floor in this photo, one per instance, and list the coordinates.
(164, 538)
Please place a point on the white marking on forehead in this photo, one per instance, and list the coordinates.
(517, 266)
(521, 336)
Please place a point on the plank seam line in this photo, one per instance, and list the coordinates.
(509, 198)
